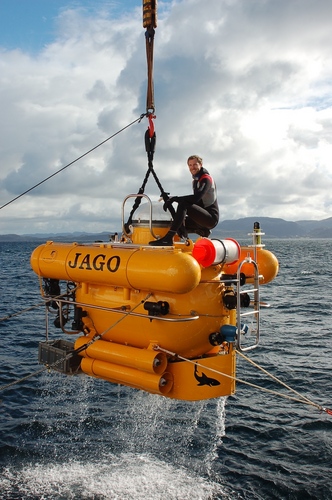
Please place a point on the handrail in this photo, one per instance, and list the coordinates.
(122, 310)
(150, 213)
(256, 305)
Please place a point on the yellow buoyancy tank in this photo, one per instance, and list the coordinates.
(267, 262)
(128, 266)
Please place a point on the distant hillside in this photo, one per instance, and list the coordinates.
(275, 228)
(272, 227)
(317, 229)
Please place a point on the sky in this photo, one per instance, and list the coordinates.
(245, 84)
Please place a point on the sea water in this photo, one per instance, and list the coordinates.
(82, 438)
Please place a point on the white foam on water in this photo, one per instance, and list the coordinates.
(122, 477)
(153, 448)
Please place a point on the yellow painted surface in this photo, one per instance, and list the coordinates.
(113, 283)
(268, 265)
(146, 268)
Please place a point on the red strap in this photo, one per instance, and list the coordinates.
(151, 124)
(327, 410)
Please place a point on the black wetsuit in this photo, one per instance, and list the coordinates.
(201, 207)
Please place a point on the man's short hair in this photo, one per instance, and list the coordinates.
(195, 157)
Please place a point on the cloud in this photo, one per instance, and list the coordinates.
(245, 84)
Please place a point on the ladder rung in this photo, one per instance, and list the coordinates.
(249, 313)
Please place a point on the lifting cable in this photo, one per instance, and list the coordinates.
(303, 399)
(72, 162)
(150, 23)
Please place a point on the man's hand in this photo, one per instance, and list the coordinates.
(169, 202)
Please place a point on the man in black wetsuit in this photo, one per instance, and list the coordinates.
(197, 212)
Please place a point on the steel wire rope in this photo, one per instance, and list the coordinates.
(72, 162)
(35, 306)
(22, 311)
(303, 399)
(273, 377)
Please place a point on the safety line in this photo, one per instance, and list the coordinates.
(285, 396)
(18, 313)
(276, 379)
(304, 399)
(18, 381)
(72, 162)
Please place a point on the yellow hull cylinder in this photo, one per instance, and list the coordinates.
(194, 380)
(156, 384)
(165, 270)
(142, 359)
(268, 265)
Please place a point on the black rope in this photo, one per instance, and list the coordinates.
(72, 162)
(150, 144)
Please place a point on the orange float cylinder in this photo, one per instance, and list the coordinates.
(157, 384)
(268, 265)
(142, 359)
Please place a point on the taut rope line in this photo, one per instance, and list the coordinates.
(303, 400)
(72, 162)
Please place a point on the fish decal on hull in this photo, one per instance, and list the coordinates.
(204, 379)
